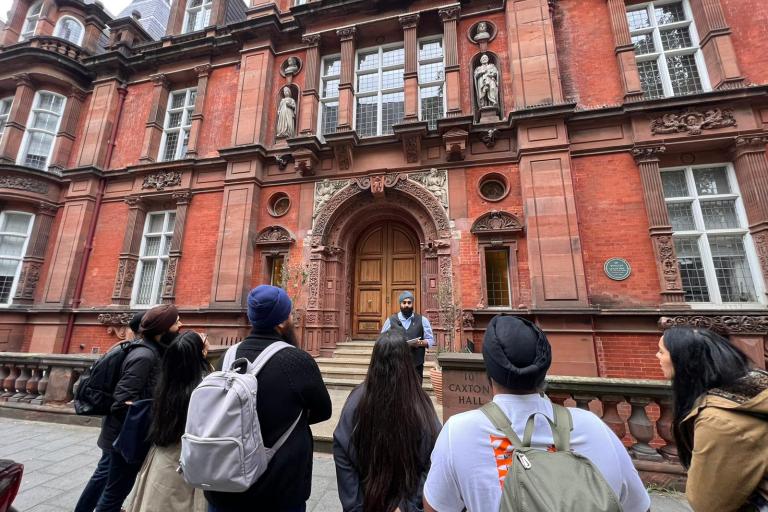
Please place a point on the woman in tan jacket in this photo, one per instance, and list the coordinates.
(721, 420)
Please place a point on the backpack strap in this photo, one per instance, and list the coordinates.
(266, 355)
(501, 422)
(283, 438)
(229, 357)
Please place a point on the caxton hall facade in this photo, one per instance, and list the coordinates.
(598, 166)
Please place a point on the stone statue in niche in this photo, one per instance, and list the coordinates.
(291, 66)
(487, 83)
(482, 33)
(286, 115)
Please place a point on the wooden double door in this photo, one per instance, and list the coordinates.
(387, 262)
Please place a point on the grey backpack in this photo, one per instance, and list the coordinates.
(540, 480)
(222, 448)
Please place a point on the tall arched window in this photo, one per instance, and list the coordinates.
(197, 15)
(44, 120)
(30, 22)
(70, 29)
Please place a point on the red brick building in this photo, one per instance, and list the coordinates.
(597, 165)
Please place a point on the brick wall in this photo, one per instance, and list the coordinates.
(219, 112)
(747, 20)
(628, 356)
(102, 266)
(133, 120)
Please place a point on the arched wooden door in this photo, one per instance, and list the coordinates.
(387, 262)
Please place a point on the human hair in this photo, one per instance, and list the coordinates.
(702, 360)
(183, 367)
(392, 402)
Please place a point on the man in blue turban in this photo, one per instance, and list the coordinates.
(416, 328)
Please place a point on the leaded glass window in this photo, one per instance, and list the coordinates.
(178, 123)
(497, 277)
(329, 94)
(667, 49)
(44, 120)
(379, 96)
(30, 22)
(153, 258)
(5, 111)
(431, 81)
(70, 29)
(197, 16)
(15, 228)
(713, 246)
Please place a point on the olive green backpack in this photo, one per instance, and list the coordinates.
(543, 481)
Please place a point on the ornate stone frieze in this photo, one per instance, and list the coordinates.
(274, 235)
(693, 121)
(496, 222)
(169, 283)
(22, 183)
(117, 323)
(162, 180)
(28, 279)
(436, 181)
(665, 251)
(759, 141)
(325, 190)
(725, 324)
(761, 245)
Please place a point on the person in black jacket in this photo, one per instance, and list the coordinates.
(386, 433)
(289, 384)
(114, 477)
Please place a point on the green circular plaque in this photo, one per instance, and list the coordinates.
(617, 269)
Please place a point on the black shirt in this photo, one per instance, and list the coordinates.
(288, 384)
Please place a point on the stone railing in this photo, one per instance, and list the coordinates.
(47, 382)
(58, 45)
(638, 411)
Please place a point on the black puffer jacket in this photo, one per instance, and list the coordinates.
(138, 377)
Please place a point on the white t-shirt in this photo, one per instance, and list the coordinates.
(471, 457)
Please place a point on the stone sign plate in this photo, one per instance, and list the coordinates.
(617, 269)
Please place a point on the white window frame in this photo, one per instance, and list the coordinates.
(184, 128)
(301, 2)
(60, 23)
(441, 83)
(163, 255)
(31, 16)
(660, 54)
(205, 9)
(378, 92)
(326, 99)
(30, 129)
(23, 251)
(6, 104)
(701, 234)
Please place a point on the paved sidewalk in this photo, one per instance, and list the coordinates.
(59, 459)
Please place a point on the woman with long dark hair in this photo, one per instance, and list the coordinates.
(386, 433)
(159, 487)
(720, 420)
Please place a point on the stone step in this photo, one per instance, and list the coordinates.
(360, 344)
(347, 372)
(341, 383)
(350, 362)
(357, 354)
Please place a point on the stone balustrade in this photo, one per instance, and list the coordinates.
(58, 45)
(638, 411)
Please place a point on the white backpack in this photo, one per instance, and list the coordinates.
(222, 448)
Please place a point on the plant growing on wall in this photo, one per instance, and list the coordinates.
(293, 279)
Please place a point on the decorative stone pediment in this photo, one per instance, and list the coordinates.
(273, 235)
(693, 121)
(496, 222)
(724, 324)
(22, 183)
(435, 181)
(162, 180)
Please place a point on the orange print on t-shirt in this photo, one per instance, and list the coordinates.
(503, 449)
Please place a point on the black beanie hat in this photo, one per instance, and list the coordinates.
(516, 352)
(135, 323)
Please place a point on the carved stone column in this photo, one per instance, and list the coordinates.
(129, 254)
(154, 127)
(346, 85)
(203, 72)
(647, 159)
(310, 99)
(65, 138)
(410, 22)
(450, 16)
(17, 118)
(625, 51)
(33, 260)
(716, 44)
(749, 159)
(182, 199)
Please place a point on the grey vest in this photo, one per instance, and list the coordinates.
(416, 330)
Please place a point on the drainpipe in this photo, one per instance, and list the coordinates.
(77, 297)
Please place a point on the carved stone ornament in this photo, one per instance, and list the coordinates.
(648, 153)
(468, 319)
(169, 283)
(759, 141)
(22, 183)
(291, 66)
(761, 245)
(693, 121)
(724, 324)
(324, 190)
(162, 180)
(432, 247)
(489, 137)
(346, 33)
(117, 323)
(455, 141)
(449, 13)
(496, 222)
(311, 39)
(665, 251)
(436, 181)
(411, 148)
(28, 279)
(274, 235)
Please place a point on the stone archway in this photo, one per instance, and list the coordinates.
(337, 227)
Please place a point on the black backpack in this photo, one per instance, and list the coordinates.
(93, 396)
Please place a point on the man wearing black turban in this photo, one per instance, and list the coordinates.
(472, 456)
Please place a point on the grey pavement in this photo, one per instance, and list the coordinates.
(59, 459)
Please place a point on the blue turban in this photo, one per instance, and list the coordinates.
(268, 306)
(405, 295)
